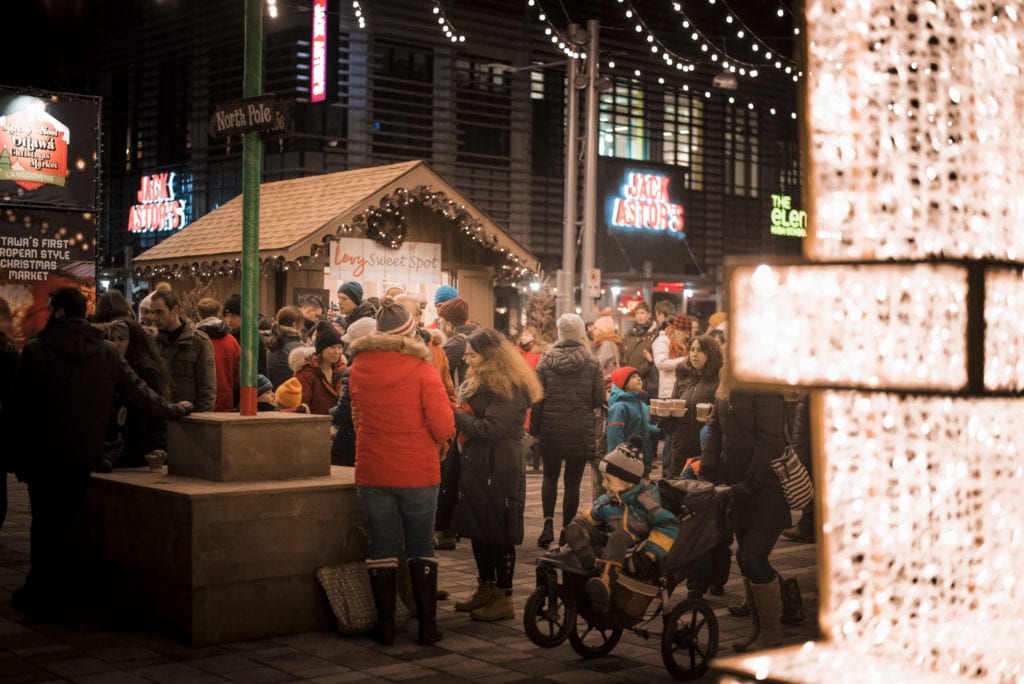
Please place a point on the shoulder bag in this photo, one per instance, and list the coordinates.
(347, 586)
(793, 476)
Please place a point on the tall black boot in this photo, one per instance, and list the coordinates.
(547, 535)
(424, 592)
(384, 583)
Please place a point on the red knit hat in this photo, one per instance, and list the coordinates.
(620, 376)
(681, 322)
(455, 311)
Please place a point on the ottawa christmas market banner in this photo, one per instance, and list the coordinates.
(49, 199)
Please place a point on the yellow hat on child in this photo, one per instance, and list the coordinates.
(289, 393)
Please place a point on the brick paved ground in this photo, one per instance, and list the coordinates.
(471, 651)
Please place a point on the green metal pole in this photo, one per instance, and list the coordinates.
(252, 164)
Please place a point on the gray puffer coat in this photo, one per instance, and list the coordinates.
(573, 389)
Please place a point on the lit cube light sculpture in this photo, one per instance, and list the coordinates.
(908, 314)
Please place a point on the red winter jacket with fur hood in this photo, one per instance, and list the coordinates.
(400, 410)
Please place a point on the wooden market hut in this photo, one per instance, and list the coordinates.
(300, 218)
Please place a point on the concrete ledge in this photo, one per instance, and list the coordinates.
(209, 562)
(228, 447)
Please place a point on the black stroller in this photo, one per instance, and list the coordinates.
(689, 631)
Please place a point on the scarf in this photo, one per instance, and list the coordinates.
(600, 337)
(675, 350)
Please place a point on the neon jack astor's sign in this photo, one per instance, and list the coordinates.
(643, 203)
(159, 208)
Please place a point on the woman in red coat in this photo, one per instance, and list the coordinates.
(321, 376)
(402, 415)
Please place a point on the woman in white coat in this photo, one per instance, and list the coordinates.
(669, 353)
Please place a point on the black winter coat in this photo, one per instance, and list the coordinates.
(63, 392)
(141, 433)
(343, 446)
(744, 434)
(573, 389)
(686, 430)
(278, 369)
(638, 340)
(455, 352)
(492, 486)
(800, 429)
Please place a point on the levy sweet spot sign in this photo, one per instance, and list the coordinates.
(369, 261)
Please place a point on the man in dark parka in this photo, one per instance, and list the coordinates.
(63, 392)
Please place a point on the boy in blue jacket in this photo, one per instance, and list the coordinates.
(629, 415)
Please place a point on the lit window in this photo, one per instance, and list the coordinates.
(622, 130)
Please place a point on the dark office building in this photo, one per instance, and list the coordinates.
(487, 113)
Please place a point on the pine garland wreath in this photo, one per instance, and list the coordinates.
(387, 226)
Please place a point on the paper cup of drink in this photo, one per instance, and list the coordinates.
(703, 411)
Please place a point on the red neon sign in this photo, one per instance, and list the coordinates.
(318, 59)
(158, 208)
(644, 203)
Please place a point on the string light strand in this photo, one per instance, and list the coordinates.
(706, 46)
(655, 46)
(564, 43)
(450, 32)
(360, 14)
(707, 93)
(769, 53)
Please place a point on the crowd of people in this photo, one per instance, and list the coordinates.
(438, 422)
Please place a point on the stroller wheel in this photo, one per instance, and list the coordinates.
(690, 639)
(548, 619)
(591, 641)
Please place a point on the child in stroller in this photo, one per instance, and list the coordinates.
(626, 529)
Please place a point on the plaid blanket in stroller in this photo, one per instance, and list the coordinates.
(704, 513)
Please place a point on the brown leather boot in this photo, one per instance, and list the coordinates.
(483, 595)
(499, 608)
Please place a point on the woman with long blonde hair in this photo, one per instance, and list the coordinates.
(498, 389)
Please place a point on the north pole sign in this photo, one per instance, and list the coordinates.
(261, 114)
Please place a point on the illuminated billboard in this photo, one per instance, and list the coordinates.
(786, 220)
(49, 150)
(318, 57)
(643, 203)
(49, 178)
(162, 203)
(641, 218)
